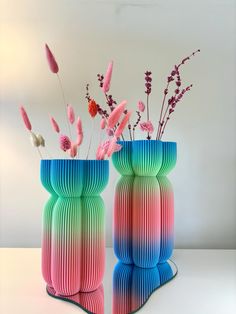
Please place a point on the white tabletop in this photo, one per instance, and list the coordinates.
(206, 284)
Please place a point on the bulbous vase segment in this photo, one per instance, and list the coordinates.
(96, 174)
(146, 225)
(169, 157)
(93, 243)
(66, 246)
(122, 160)
(123, 219)
(67, 177)
(146, 157)
(144, 206)
(45, 169)
(167, 219)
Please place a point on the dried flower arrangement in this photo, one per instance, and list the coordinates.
(114, 121)
(167, 107)
(112, 124)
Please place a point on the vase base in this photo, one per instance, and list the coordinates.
(129, 283)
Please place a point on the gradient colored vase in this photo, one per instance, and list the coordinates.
(77, 225)
(143, 205)
(45, 170)
(132, 285)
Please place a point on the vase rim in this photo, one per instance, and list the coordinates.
(84, 160)
(129, 141)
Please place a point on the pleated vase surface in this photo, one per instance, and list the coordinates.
(144, 205)
(73, 244)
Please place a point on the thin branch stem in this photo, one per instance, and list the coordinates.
(64, 100)
(148, 137)
(39, 153)
(163, 120)
(162, 108)
(90, 141)
(167, 119)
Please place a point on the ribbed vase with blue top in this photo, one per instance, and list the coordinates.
(143, 205)
(77, 237)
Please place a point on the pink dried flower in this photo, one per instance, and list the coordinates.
(123, 124)
(73, 150)
(65, 143)
(147, 127)
(80, 138)
(116, 114)
(51, 60)
(54, 125)
(70, 114)
(100, 154)
(113, 147)
(141, 106)
(109, 132)
(79, 126)
(107, 78)
(103, 123)
(105, 145)
(25, 118)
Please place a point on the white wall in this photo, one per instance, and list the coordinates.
(138, 35)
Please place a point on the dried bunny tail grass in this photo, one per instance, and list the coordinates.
(25, 118)
(79, 126)
(70, 114)
(34, 140)
(41, 140)
(54, 124)
(73, 150)
(116, 114)
(123, 124)
(107, 78)
(113, 147)
(51, 60)
(80, 138)
(103, 123)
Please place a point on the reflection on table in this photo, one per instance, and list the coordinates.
(132, 285)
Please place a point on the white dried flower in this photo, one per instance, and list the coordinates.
(34, 140)
(41, 140)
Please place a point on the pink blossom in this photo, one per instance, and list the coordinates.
(103, 123)
(73, 150)
(109, 132)
(54, 125)
(147, 127)
(123, 124)
(65, 143)
(141, 106)
(79, 126)
(25, 118)
(116, 114)
(70, 114)
(107, 78)
(51, 60)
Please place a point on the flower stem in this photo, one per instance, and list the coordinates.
(148, 137)
(162, 131)
(39, 153)
(64, 100)
(90, 141)
(162, 108)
